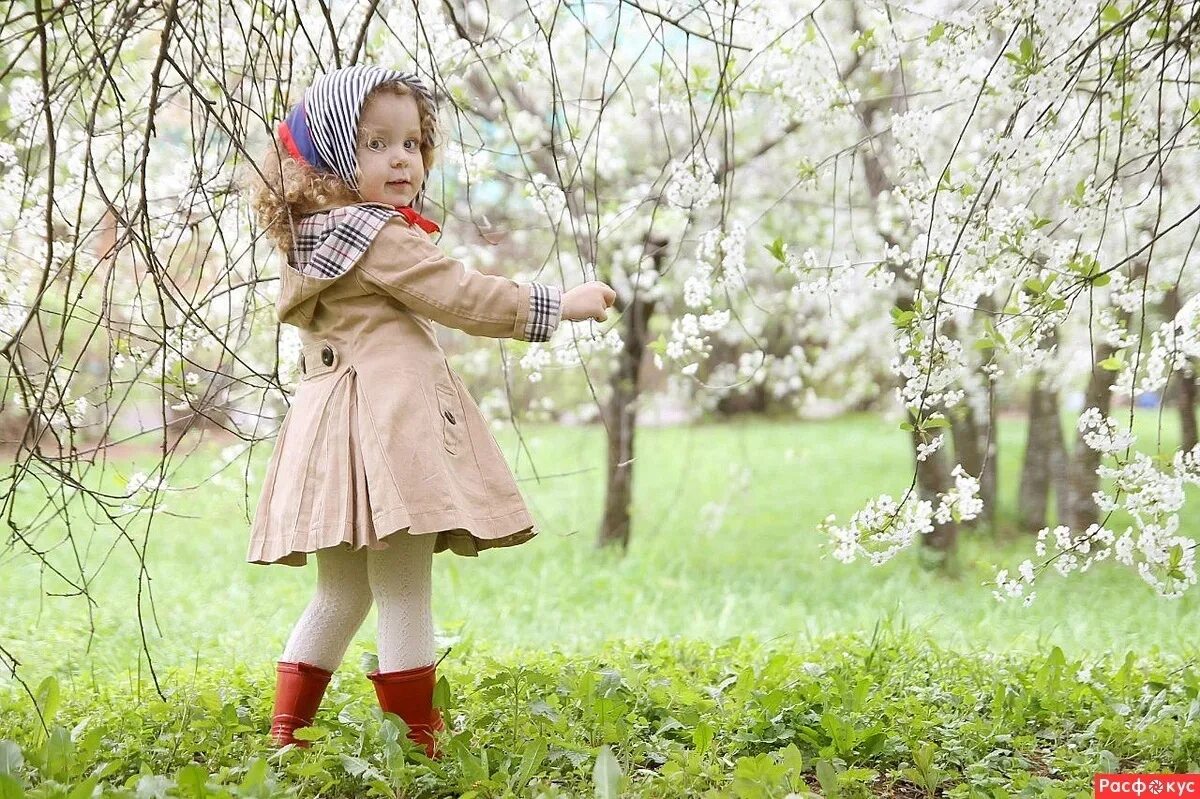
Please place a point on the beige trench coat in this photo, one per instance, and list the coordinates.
(382, 437)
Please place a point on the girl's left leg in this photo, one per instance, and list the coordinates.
(400, 585)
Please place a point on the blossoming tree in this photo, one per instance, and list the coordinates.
(814, 197)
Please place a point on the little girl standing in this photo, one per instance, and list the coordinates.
(383, 457)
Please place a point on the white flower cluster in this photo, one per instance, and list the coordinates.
(143, 493)
(725, 247)
(15, 285)
(688, 333)
(721, 252)
(1147, 492)
(692, 184)
(880, 530)
(1094, 544)
(1103, 435)
(25, 99)
(961, 503)
(1172, 347)
(885, 527)
(816, 280)
(887, 52)
(1152, 497)
(631, 273)
(911, 131)
(1014, 587)
(1086, 210)
(1131, 296)
(535, 359)
(930, 375)
(547, 195)
(925, 450)
(795, 79)
(585, 341)
(697, 289)
(1165, 561)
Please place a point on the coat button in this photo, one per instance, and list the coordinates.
(327, 356)
(449, 417)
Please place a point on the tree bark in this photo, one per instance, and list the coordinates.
(1185, 396)
(1077, 507)
(1044, 457)
(975, 449)
(933, 478)
(620, 414)
(933, 474)
(1187, 410)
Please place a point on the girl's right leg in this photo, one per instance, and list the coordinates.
(335, 613)
(319, 641)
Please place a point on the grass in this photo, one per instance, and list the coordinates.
(724, 544)
(891, 715)
(725, 561)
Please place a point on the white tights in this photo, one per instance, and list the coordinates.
(396, 578)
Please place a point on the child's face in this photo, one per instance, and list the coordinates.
(389, 150)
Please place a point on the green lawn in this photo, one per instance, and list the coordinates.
(725, 561)
(724, 544)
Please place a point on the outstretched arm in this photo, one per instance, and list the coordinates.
(402, 263)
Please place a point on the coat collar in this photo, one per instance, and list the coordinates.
(298, 292)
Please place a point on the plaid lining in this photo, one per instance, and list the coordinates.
(327, 245)
(545, 312)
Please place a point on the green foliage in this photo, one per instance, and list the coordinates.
(535, 695)
(849, 717)
(1025, 59)
(778, 251)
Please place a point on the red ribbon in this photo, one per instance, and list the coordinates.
(285, 135)
(416, 219)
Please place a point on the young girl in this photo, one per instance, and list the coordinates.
(383, 457)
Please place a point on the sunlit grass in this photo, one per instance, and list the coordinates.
(724, 544)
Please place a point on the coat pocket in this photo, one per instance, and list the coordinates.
(450, 409)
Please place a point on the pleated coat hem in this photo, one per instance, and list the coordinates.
(462, 536)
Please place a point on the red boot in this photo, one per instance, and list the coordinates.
(409, 694)
(298, 691)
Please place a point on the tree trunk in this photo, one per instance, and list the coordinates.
(933, 474)
(1044, 457)
(1079, 510)
(975, 449)
(1186, 394)
(620, 415)
(1187, 410)
(933, 478)
(1077, 507)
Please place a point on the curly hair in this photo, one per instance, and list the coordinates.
(282, 189)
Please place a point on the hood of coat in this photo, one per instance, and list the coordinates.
(298, 296)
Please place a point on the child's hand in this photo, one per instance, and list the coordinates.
(590, 300)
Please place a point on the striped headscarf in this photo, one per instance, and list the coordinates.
(322, 129)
